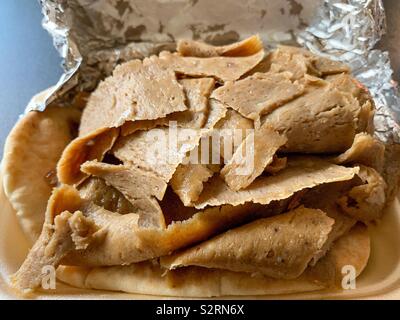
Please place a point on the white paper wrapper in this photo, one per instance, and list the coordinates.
(92, 36)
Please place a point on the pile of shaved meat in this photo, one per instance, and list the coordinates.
(128, 213)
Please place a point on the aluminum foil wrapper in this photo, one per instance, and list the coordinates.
(92, 36)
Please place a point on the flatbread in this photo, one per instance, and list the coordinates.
(135, 91)
(31, 152)
(148, 278)
(91, 147)
(352, 249)
(246, 47)
(263, 246)
(301, 173)
(222, 68)
(258, 94)
(252, 157)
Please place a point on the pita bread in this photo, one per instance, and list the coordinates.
(258, 94)
(62, 232)
(265, 246)
(148, 278)
(222, 68)
(367, 201)
(246, 47)
(135, 91)
(352, 249)
(301, 173)
(251, 158)
(91, 147)
(31, 152)
(365, 150)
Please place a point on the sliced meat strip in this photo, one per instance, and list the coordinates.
(158, 150)
(149, 278)
(264, 246)
(135, 91)
(252, 157)
(246, 47)
(233, 129)
(222, 68)
(322, 120)
(130, 127)
(258, 94)
(300, 173)
(187, 181)
(133, 183)
(276, 165)
(324, 197)
(161, 150)
(367, 201)
(97, 191)
(391, 170)
(197, 92)
(125, 242)
(346, 83)
(285, 58)
(299, 62)
(365, 150)
(62, 233)
(139, 187)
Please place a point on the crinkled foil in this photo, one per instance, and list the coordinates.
(92, 36)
